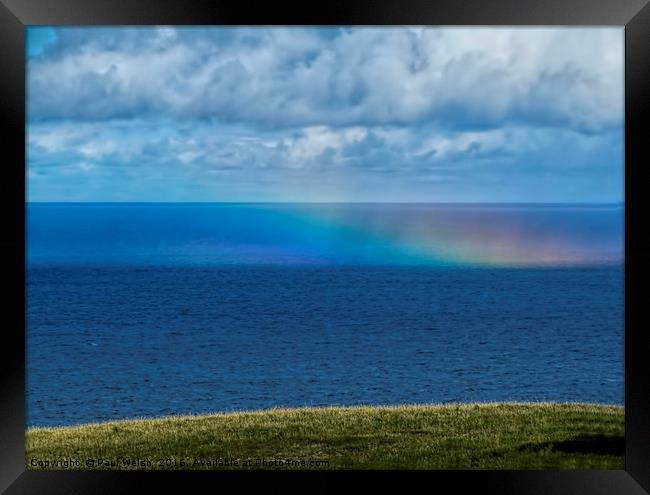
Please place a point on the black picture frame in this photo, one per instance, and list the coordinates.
(634, 15)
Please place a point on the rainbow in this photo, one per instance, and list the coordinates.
(502, 235)
(326, 234)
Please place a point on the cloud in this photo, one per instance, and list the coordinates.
(463, 78)
(293, 114)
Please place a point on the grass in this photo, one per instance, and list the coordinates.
(468, 436)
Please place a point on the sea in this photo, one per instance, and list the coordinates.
(155, 309)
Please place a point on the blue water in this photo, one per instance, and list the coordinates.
(133, 312)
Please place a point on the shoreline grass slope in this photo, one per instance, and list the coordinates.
(457, 436)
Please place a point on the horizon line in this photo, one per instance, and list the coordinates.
(504, 203)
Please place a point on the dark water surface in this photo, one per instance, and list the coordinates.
(109, 339)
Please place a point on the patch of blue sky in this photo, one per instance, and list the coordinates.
(38, 39)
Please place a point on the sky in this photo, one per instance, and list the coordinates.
(390, 114)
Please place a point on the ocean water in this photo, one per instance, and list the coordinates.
(154, 309)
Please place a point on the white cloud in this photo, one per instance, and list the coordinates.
(395, 113)
(442, 145)
(314, 141)
(463, 77)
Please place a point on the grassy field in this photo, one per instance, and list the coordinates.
(472, 436)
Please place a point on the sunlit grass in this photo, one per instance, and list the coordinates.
(468, 436)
